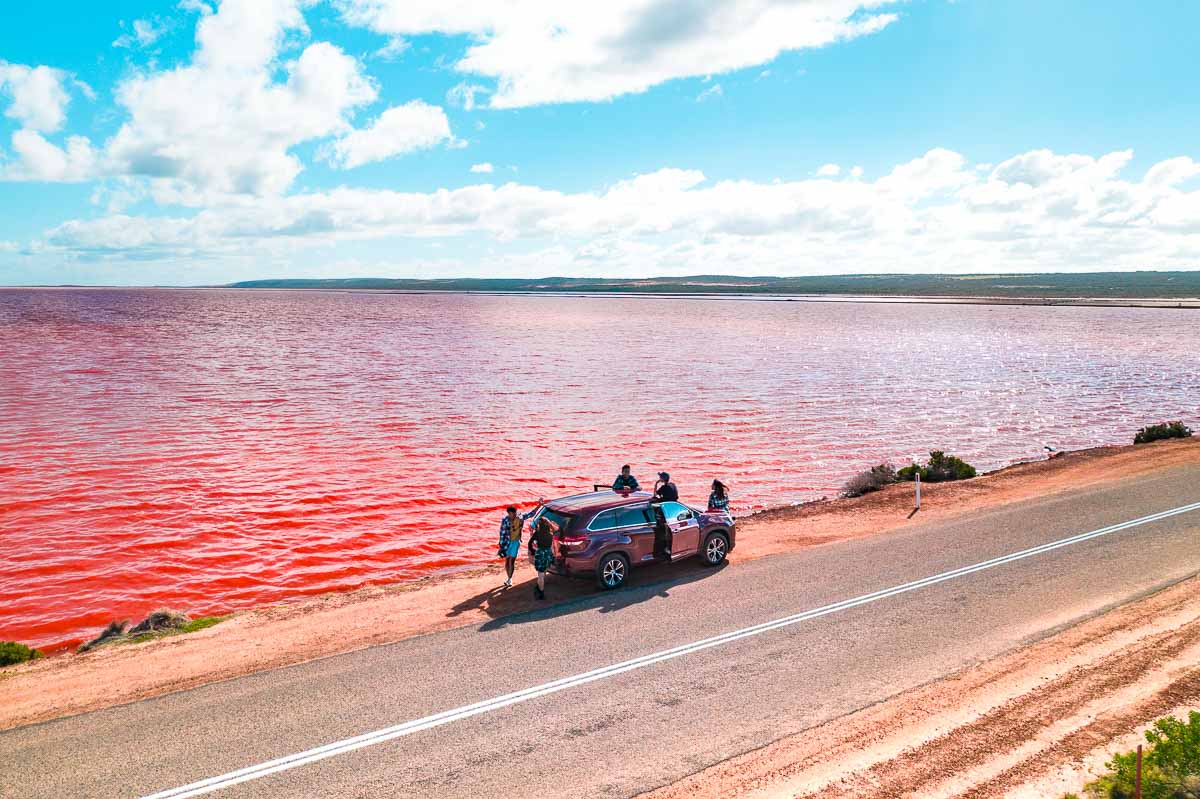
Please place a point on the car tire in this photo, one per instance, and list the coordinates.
(715, 549)
(612, 571)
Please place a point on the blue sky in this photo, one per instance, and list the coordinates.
(208, 142)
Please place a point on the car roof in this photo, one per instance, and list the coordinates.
(597, 500)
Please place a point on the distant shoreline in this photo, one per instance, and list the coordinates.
(1170, 302)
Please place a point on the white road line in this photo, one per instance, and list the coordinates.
(457, 714)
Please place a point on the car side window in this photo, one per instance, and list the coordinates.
(628, 517)
(605, 520)
(676, 511)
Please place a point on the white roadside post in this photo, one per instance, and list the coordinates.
(918, 491)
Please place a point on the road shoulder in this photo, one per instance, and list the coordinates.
(1038, 721)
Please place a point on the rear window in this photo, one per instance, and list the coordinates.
(605, 520)
(559, 522)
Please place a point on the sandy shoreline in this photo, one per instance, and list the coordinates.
(303, 630)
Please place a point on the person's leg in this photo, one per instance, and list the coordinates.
(510, 564)
(542, 583)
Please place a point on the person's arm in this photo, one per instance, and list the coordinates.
(633, 483)
(617, 484)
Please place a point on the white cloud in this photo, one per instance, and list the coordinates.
(829, 171)
(40, 160)
(144, 33)
(549, 52)
(195, 6)
(856, 172)
(463, 94)
(39, 101)
(395, 47)
(402, 129)
(225, 124)
(1172, 171)
(484, 168)
(936, 213)
(711, 92)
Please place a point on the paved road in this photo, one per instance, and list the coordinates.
(623, 734)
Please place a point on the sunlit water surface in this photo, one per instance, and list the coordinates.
(214, 449)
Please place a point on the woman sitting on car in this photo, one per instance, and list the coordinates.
(719, 498)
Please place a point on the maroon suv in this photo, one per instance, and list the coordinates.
(605, 533)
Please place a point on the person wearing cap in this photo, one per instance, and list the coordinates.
(664, 489)
(625, 481)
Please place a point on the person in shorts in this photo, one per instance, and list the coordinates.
(510, 540)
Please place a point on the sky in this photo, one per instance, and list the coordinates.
(210, 141)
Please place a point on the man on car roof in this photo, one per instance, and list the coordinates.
(625, 481)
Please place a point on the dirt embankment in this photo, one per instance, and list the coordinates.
(304, 630)
(1033, 724)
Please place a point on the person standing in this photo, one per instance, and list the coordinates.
(510, 540)
(625, 480)
(664, 489)
(543, 555)
(719, 498)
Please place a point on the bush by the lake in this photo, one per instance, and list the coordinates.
(872, 479)
(940, 468)
(158, 624)
(1157, 432)
(11, 652)
(1170, 765)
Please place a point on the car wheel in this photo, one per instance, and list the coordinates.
(716, 547)
(612, 571)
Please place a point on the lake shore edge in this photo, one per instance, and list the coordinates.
(330, 624)
(1034, 300)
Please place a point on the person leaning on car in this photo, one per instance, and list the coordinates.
(664, 489)
(625, 481)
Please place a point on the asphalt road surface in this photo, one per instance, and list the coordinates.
(649, 721)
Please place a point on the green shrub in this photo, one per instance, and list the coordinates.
(11, 652)
(1170, 765)
(159, 624)
(940, 468)
(872, 479)
(1157, 432)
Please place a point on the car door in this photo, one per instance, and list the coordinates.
(685, 529)
(635, 522)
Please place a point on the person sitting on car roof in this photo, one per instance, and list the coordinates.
(664, 489)
(625, 481)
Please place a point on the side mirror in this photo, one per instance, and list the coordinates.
(683, 516)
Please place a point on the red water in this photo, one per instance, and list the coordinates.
(210, 450)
